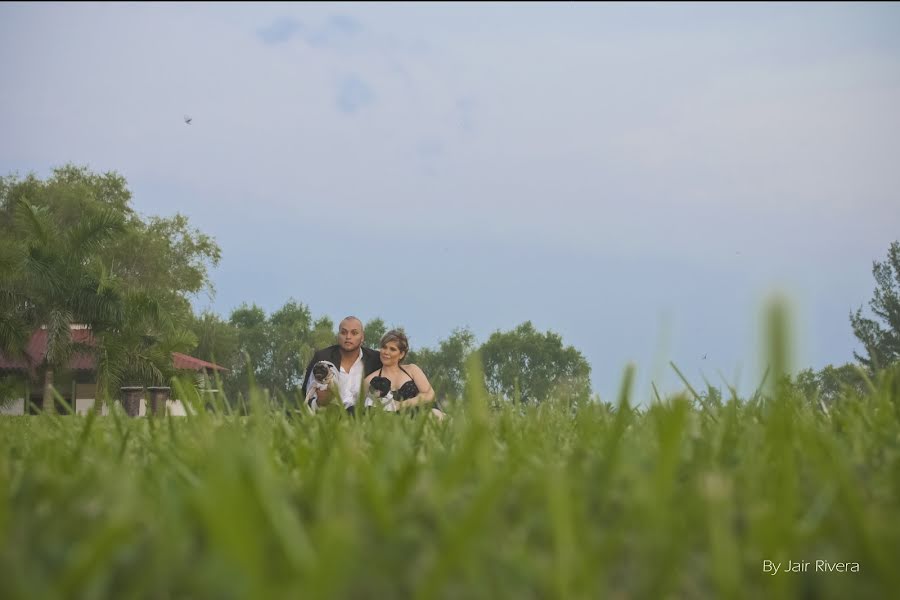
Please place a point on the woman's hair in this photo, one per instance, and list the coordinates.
(395, 335)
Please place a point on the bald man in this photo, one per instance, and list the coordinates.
(352, 363)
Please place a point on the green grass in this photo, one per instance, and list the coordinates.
(679, 500)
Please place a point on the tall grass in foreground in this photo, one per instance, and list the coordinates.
(682, 499)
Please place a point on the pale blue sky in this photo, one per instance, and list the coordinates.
(637, 178)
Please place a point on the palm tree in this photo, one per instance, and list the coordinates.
(51, 281)
(135, 346)
(121, 276)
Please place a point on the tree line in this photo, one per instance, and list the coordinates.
(521, 365)
(74, 251)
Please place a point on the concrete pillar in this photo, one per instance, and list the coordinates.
(131, 400)
(158, 398)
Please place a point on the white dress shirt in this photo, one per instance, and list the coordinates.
(348, 383)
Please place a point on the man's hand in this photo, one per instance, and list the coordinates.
(318, 395)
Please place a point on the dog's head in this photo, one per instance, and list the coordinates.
(381, 385)
(322, 369)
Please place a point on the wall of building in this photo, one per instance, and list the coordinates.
(16, 407)
(83, 406)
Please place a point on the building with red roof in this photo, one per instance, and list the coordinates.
(77, 383)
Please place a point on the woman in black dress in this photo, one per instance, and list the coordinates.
(399, 388)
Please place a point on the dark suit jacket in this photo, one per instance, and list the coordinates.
(371, 361)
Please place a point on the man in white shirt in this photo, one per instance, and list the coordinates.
(352, 363)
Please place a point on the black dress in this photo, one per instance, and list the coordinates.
(404, 392)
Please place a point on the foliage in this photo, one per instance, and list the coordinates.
(527, 366)
(832, 383)
(273, 349)
(881, 336)
(684, 498)
(12, 387)
(74, 251)
(375, 330)
(163, 253)
(251, 325)
(53, 280)
(217, 339)
(445, 365)
(323, 333)
(291, 344)
(533, 501)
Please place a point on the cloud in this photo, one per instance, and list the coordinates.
(281, 30)
(353, 94)
(342, 25)
(335, 32)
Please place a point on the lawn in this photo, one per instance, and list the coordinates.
(679, 499)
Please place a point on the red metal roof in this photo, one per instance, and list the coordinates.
(183, 361)
(36, 352)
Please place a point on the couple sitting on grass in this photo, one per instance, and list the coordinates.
(348, 371)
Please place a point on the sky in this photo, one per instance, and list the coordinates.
(638, 178)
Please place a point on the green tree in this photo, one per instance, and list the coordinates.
(529, 366)
(278, 346)
(164, 254)
(292, 340)
(254, 348)
(831, 383)
(217, 340)
(837, 382)
(136, 346)
(54, 281)
(807, 382)
(445, 366)
(375, 330)
(71, 193)
(323, 333)
(881, 336)
(74, 251)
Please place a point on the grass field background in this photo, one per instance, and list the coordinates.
(683, 499)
